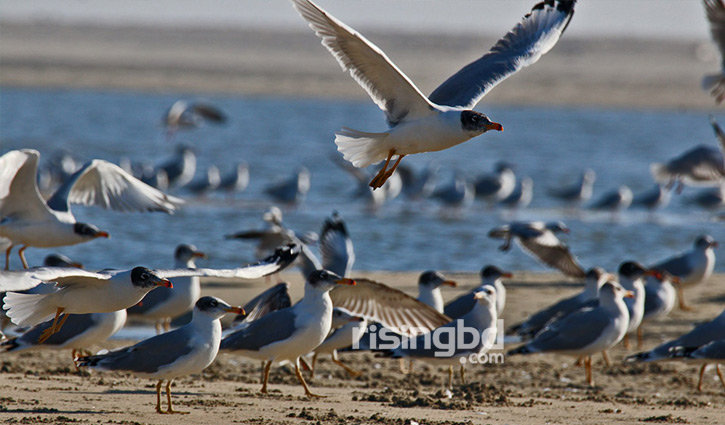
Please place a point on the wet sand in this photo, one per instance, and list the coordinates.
(611, 73)
(42, 386)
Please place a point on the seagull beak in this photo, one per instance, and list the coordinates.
(199, 254)
(103, 235)
(715, 244)
(449, 283)
(76, 265)
(478, 296)
(493, 126)
(628, 294)
(358, 319)
(508, 275)
(345, 281)
(236, 310)
(164, 282)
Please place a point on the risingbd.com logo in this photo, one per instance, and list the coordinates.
(459, 341)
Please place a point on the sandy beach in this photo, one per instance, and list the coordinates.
(611, 73)
(42, 387)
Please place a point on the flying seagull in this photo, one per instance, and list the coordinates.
(715, 10)
(79, 291)
(29, 220)
(444, 118)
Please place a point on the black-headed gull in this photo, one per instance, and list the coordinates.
(189, 349)
(163, 304)
(444, 118)
(78, 291)
(429, 289)
(27, 219)
(490, 276)
(715, 11)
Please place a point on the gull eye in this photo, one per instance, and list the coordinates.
(213, 303)
(144, 276)
(324, 275)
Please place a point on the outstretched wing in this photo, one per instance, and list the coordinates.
(21, 280)
(392, 308)
(535, 35)
(107, 185)
(389, 88)
(282, 257)
(19, 193)
(549, 250)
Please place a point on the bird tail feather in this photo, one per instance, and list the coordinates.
(28, 309)
(361, 148)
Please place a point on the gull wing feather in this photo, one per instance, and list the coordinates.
(550, 251)
(21, 280)
(19, 193)
(282, 257)
(388, 87)
(107, 185)
(531, 38)
(391, 307)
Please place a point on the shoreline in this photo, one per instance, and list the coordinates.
(610, 73)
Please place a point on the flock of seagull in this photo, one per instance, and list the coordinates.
(61, 305)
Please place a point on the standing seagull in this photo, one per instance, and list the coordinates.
(79, 332)
(490, 276)
(429, 289)
(443, 119)
(79, 291)
(659, 297)
(497, 186)
(292, 332)
(347, 329)
(700, 335)
(579, 192)
(189, 349)
(452, 346)
(709, 353)
(691, 267)
(27, 219)
(538, 239)
(631, 277)
(163, 304)
(715, 10)
(587, 331)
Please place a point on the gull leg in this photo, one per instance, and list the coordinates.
(170, 409)
(392, 170)
(588, 368)
(55, 327)
(401, 365)
(681, 299)
(450, 377)
(265, 376)
(308, 393)
(167, 324)
(625, 341)
(605, 356)
(354, 373)
(7, 257)
(158, 398)
(158, 325)
(640, 337)
(380, 178)
(21, 253)
(312, 366)
(699, 381)
(719, 374)
(463, 375)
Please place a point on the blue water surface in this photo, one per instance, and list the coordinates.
(276, 135)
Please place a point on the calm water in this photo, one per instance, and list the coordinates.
(275, 135)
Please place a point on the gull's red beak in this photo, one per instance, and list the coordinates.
(628, 294)
(198, 254)
(449, 283)
(164, 282)
(103, 235)
(345, 281)
(237, 310)
(508, 275)
(494, 126)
